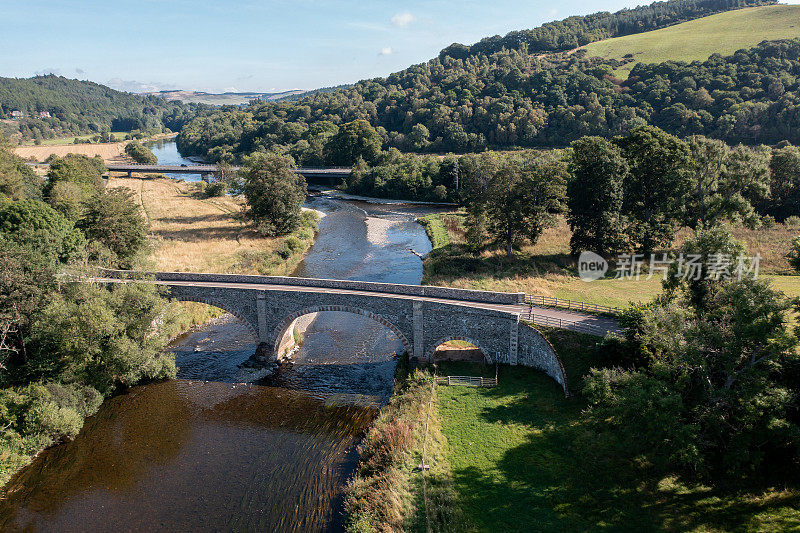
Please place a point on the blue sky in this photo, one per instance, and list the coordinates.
(245, 45)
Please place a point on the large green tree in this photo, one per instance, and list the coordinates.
(655, 192)
(724, 183)
(520, 201)
(595, 196)
(357, 139)
(36, 225)
(785, 182)
(116, 221)
(714, 391)
(274, 193)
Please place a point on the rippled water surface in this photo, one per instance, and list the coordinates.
(225, 447)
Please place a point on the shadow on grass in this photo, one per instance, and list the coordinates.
(524, 460)
(453, 261)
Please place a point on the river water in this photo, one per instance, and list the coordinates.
(224, 447)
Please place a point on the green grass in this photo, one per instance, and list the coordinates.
(723, 33)
(522, 461)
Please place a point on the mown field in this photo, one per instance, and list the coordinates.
(191, 232)
(723, 33)
(520, 462)
(547, 269)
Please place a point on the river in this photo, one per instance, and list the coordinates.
(224, 447)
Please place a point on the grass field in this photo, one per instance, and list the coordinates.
(520, 462)
(546, 269)
(118, 136)
(190, 232)
(108, 151)
(723, 33)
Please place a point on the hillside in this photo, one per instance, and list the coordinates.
(696, 40)
(74, 107)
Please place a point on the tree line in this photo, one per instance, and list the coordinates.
(513, 99)
(78, 107)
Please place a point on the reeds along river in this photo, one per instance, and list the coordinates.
(223, 447)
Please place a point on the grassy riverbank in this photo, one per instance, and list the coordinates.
(546, 269)
(522, 460)
(387, 493)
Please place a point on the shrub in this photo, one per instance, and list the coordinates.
(216, 188)
(794, 255)
(140, 153)
(792, 222)
(768, 222)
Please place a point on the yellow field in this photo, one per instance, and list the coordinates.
(110, 152)
(723, 33)
(190, 232)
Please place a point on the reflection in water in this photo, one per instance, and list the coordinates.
(225, 447)
(185, 455)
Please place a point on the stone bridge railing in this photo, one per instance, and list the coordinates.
(423, 291)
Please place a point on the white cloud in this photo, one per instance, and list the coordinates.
(401, 20)
(230, 90)
(385, 51)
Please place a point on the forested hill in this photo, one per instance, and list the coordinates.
(578, 31)
(514, 99)
(82, 106)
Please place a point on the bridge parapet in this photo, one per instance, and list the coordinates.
(426, 291)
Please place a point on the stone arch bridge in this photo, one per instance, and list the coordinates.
(422, 317)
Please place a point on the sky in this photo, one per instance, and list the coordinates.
(247, 45)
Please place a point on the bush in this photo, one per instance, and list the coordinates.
(768, 222)
(216, 188)
(792, 222)
(140, 153)
(794, 255)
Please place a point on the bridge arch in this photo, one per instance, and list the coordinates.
(279, 331)
(432, 349)
(225, 306)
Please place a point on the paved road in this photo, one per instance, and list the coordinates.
(582, 322)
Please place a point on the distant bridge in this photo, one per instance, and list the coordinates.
(422, 317)
(308, 172)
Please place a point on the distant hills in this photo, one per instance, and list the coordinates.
(238, 98)
(229, 98)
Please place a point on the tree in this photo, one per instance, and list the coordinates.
(785, 183)
(656, 190)
(418, 137)
(27, 278)
(274, 192)
(101, 337)
(724, 183)
(17, 180)
(595, 196)
(36, 225)
(140, 153)
(116, 221)
(353, 140)
(72, 180)
(794, 256)
(715, 386)
(521, 200)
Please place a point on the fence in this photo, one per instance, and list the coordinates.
(572, 325)
(466, 381)
(549, 301)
